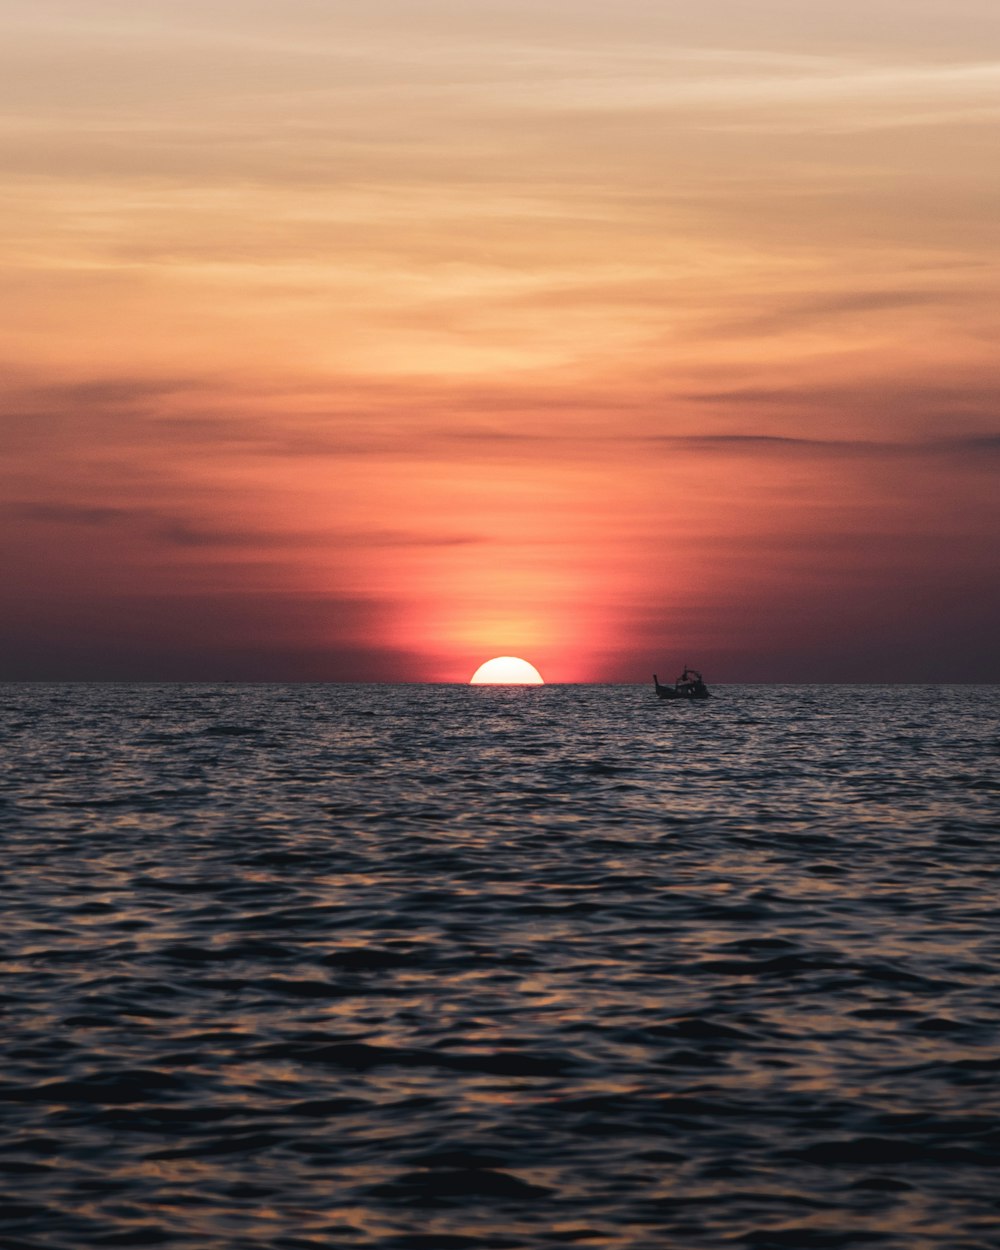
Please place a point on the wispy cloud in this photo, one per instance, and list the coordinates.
(151, 523)
(175, 530)
(111, 392)
(69, 514)
(965, 447)
(798, 314)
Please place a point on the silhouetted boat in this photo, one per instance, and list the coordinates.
(688, 686)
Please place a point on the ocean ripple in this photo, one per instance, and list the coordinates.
(415, 968)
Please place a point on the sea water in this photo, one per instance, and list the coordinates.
(438, 967)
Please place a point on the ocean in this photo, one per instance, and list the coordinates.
(476, 968)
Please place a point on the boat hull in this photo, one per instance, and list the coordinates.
(682, 692)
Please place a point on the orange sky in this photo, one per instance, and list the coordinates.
(370, 341)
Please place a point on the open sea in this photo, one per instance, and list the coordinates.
(470, 968)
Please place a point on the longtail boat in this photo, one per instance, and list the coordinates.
(688, 686)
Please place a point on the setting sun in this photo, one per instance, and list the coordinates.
(506, 670)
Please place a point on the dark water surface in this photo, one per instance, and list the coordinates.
(426, 968)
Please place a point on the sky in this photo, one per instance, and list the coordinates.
(368, 341)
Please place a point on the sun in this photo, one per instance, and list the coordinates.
(506, 670)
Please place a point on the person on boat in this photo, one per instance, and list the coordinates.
(690, 685)
(690, 682)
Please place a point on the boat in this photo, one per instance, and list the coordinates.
(689, 685)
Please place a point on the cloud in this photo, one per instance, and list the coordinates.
(176, 530)
(180, 533)
(802, 313)
(405, 538)
(69, 514)
(971, 442)
(891, 400)
(759, 443)
(973, 449)
(764, 444)
(151, 523)
(112, 392)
